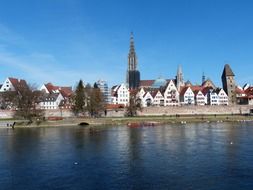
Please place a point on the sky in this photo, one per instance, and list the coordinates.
(63, 41)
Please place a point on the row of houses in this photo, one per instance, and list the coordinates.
(159, 92)
(169, 95)
(188, 95)
(53, 97)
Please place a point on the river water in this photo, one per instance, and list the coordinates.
(193, 156)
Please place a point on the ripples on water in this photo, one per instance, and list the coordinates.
(192, 156)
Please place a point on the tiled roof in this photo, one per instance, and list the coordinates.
(249, 91)
(239, 91)
(18, 83)
(206, 90)
(146, 83)
(66, 91)
(183, 90)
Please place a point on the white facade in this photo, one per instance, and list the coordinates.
(7, 86)
(147, 100)
(214, 98)
(200, 99)
(44, 89)
(140, 93)
(120, 95)
(158, 99)
(51, 101)
(171, 95)
(188, 97)
(223, 98)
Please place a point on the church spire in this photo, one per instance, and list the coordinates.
(132, 58)
(133, 75)
(179, 77)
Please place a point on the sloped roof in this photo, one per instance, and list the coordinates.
(146, 82)
(249, 91)
(50, 97)
(206, 90)
(183, 90)
(66, 91)
(207, 82)
(227, 71)
(239, 91)
(18, 83)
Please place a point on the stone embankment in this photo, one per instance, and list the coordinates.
(155, 111)
(197, 110)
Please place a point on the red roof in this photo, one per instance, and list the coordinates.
(183, 90)
(146, 83)
(66, 91)
(17, 83)
(239, 91)
(249, 91)
(206, 90)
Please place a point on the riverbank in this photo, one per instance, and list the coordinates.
(118, 121)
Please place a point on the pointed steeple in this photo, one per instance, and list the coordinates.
(133, 75)
(132, 57)
(179, 77)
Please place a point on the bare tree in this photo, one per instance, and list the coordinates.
(25, 101)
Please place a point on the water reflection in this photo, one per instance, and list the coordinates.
(196, 156)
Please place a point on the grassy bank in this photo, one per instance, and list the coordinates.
(143, 119)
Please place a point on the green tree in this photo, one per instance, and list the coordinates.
(79, 99)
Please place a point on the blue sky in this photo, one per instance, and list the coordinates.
(62, 41)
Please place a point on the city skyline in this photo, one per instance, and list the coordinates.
(64, 41)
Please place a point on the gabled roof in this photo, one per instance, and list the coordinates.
(18, 83)
(227, 71)
(239, 91)
(66, 91)
(154, 93)
(206, 90)
(249, 91)
(208, 83)
(183, 90)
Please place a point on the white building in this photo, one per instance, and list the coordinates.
(199, 98)
(55, 97)
(187, 96)
(120, 94)
(222, 97)
(147, 100)
(213, 98)
(158, 99)
(171, 94)
(51, 101)
(13, 84)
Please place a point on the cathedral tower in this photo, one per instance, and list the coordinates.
(179, 78)
(228, 83)
(133, 75)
